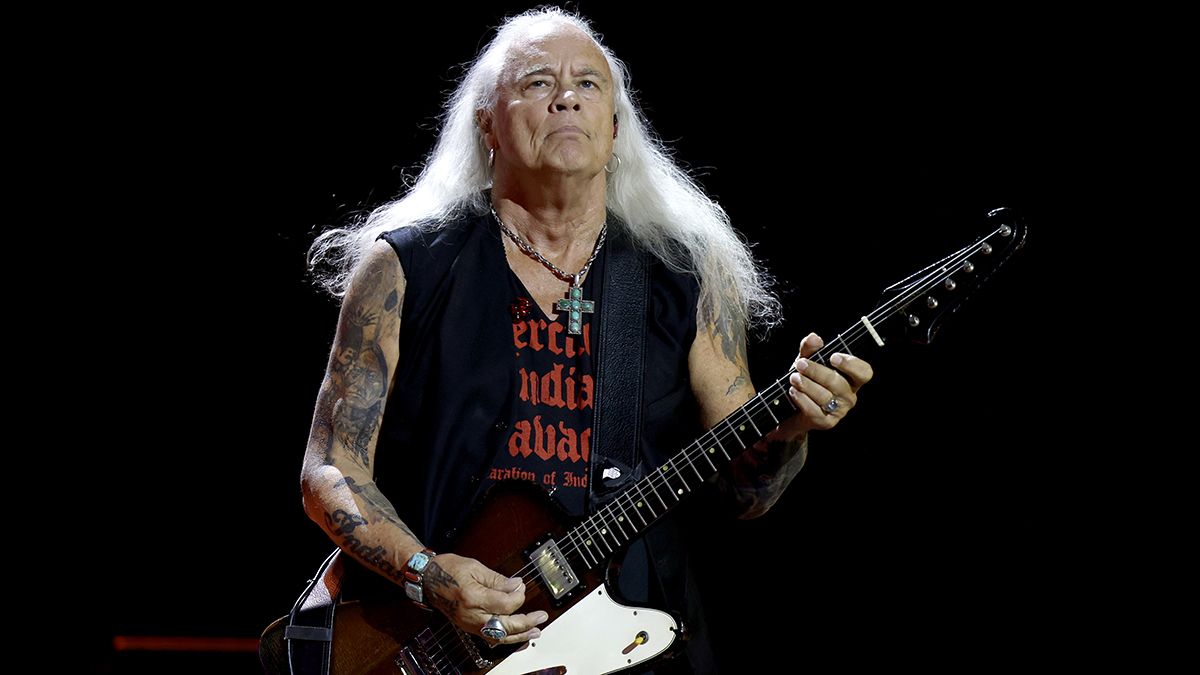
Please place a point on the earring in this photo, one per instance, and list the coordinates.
(618, 158)
(491, 157)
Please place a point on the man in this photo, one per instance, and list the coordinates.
(466, 347)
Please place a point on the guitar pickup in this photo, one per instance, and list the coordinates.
(553, 568)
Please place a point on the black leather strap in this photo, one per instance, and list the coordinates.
(310, 627)
(620, 358)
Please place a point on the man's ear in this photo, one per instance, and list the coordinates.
(483, 120)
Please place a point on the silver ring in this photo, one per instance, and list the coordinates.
(493, 629)
(832, 406)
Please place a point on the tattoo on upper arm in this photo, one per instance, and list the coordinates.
(733, 345)
(358, 370)
(733, 339)
(737, 384)
(362, 368)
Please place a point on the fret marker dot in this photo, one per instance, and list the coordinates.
(711, 450)
(620, 519)
(639, 505)
(604, 530)
(742, 428)
(776, 402)
(664, 469)
(588, 542)
(680, 490)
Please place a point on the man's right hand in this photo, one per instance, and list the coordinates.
(469, 594)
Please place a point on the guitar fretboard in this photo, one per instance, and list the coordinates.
(598, 537)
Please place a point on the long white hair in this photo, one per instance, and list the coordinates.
(665, 210)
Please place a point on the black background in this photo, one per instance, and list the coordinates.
(851, 150)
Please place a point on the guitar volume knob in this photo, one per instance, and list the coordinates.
(931, 302)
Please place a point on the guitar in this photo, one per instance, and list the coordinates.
(565, 564)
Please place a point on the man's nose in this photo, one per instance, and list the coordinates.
(566, 99)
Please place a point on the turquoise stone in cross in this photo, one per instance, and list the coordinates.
(576, 306)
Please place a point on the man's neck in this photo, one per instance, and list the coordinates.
(552, 217)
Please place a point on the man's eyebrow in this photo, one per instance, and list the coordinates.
(588, 70)
(536, 70)
(549, 70)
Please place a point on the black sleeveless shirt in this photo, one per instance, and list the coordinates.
(454, 403)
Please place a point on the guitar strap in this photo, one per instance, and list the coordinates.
(620, 355)
(309, 629)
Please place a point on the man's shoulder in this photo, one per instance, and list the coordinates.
(432, 237)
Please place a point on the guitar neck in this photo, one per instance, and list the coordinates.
(914, 305)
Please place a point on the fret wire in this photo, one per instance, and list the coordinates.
(585, 552)
(615, 526)
(598, 529)
(660, 499)
(720, 445)
(678, 474)
(666, 481)
(621, 519)
(633, 502)
(845, 345)
(750, 419)
(858, 331)
(773, 416)
(589, 529)
(734, 434)
(704, 454)
(647, 501)
(689, 461)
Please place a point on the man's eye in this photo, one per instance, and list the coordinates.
(587, 84)
(538, 83)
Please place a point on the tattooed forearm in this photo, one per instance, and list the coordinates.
(436, 580)
(758, 477)
(343, 523)
(374, 500)
(376, 556)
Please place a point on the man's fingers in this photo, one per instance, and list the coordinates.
(522, 627)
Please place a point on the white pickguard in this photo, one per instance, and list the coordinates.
(594, 637)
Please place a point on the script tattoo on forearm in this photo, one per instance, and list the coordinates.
(376, 556)
(437, 582)
(343, 522)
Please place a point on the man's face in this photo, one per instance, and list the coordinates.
(554, 108)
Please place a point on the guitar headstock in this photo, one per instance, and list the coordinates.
(926, 298)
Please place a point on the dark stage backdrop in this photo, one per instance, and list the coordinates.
(850, 150)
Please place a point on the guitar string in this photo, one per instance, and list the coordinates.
(919, 287)
(756, 405)
(749, 410)
(855, 333)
